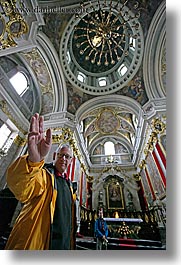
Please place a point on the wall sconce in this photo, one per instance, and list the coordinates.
(12, 24)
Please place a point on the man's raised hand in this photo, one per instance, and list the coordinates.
(38, 144)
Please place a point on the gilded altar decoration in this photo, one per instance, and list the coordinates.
(12, 24)
(125, 230)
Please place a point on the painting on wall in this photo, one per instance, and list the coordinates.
(114, 196)
(155, 177)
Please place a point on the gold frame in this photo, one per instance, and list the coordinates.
(10, 17)
(119, 202)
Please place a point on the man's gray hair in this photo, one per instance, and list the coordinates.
(65, 145)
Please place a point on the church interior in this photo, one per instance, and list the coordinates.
(96, 71)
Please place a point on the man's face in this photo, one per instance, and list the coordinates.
(63, 159)
(100, 214)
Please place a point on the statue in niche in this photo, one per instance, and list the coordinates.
(100, 199)
(129, 197)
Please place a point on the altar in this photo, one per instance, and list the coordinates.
(133, 220)
(123, 227)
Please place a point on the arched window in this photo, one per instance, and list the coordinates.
(81, 77)
(4, 132)
(8, 133)
(19, 82)
(122, 69)
(68, 57)
(109, 148)
(102, 81)
(132, 43)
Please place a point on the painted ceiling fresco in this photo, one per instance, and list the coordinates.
(111, 37)
(55, 25)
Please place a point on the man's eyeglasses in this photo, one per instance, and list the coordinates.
(68, 157)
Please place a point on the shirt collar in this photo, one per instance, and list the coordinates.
(62, 175)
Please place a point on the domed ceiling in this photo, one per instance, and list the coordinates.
(100, 76)
(101, 48)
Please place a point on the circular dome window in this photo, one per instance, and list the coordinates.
(101, 42)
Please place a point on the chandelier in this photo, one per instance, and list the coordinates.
(12, 24)
(106, 33)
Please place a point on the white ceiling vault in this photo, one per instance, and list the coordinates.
(101, 64)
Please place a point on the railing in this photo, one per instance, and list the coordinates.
(113, 159)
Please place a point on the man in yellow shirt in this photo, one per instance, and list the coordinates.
(46, 219)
